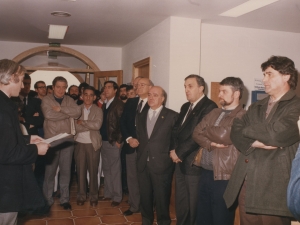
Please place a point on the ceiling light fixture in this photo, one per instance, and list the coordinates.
(57, 31)
(60, 14)
(247, 7)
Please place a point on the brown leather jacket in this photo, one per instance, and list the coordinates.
(58, 122)
(224, 159)
(113, 121)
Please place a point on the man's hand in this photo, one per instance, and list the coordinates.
(42, 148)
(213, 144)
(36, 114)
(35, 139)
(174, 156)
(56, 108)
(79, 122)
(133, 142)
(258, 144)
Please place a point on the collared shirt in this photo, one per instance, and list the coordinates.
(109, 102)
(157, 111)
(194, 104)
(84, 137)
(145, 100)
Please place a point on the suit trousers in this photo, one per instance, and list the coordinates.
(212, 209)
(132, 182)
(155, 187)
(249, 219)
(60, 155)
(9, 218)
(87, 159)
(111, 159)
(186, 195)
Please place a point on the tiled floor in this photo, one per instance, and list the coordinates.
(86, 215)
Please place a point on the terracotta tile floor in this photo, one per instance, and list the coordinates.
(86, 215)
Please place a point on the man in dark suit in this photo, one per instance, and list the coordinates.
(18, 188)
(128, 129)
(154, 166)
(184, 148)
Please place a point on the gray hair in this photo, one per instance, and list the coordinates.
(8, 69)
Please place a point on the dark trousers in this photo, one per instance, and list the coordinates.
(256, 219)
(186, 191)
(211, 208)
(87, 159)
(155, 187)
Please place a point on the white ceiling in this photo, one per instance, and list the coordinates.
(118, 22)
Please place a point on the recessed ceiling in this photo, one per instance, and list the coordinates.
(117, 22)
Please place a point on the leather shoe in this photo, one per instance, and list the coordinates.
(93, 203)
(114, 204)
(79, 202)
(66, 206)
(127, 213)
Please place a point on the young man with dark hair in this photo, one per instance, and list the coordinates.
(73, 92)
(267, 137)
(123, 93)
(112, 144)
(41, 89)
(59, 111)
(218, 154)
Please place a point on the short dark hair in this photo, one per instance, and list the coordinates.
(113, 83)
(90, 88)
(59, 78)
(83, 85)
(38, 82)
(200, 80)
(236, 84)
(129, 87)
(123, 86)
(284, 66)
(73, 85)
(26, 77)
(49, 87)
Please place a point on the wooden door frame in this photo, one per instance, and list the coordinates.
(141, 63)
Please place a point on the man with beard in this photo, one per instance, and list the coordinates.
(123, 93)
(219, 155)
(74, 92)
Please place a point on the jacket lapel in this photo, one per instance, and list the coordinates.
(194, 112)
(159, 122)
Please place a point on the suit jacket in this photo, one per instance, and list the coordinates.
(18, 187)
(92, 124)
(182, 140)
(157, 147)
(128, 120)
(59, 122)
(33, 106)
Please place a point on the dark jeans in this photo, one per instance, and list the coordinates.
(211, 209)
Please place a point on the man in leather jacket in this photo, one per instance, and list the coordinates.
(112, 143)
(218, 154)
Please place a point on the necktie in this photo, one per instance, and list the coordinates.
(153, 115)
(190, 110)
(139, 108)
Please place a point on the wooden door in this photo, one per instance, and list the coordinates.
(101, 76)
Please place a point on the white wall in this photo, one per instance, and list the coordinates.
(239, 52)
(174, 48)
(155, 44)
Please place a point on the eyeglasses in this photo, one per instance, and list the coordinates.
(42, 87)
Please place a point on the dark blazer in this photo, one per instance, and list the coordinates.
(158, 145)
(113, 121)
(128, 128)
(33, 106)
(182, 140)
(18, 187)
